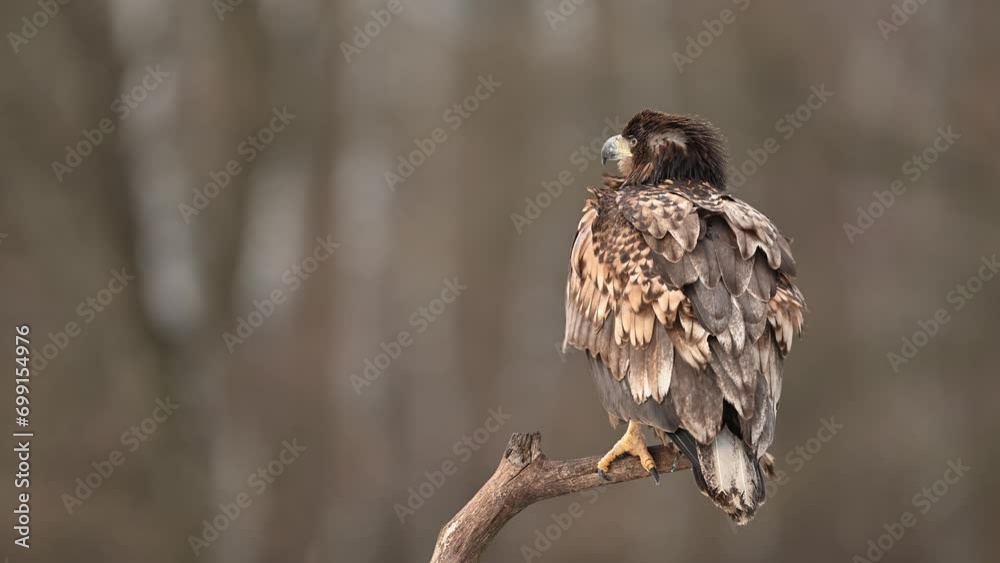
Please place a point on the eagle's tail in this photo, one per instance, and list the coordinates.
(726, 471)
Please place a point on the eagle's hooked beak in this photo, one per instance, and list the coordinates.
(615, 148)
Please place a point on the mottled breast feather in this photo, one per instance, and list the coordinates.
(683, 297)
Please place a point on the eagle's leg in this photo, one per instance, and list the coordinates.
(634, 443)
(666, 441)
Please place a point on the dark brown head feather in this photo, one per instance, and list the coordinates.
(674, 147)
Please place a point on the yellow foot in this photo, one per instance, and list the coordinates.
(632, 443)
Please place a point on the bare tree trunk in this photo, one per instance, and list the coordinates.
(524, 477)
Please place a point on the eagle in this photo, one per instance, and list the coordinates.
(683, 299)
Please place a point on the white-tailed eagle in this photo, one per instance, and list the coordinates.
(682, 297)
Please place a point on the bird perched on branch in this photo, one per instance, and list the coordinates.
(682, 297)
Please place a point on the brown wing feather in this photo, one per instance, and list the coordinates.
(683, 295)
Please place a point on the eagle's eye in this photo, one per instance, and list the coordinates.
(633, 141)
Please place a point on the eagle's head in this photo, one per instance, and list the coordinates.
(657, 146)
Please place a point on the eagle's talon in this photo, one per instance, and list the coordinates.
(631, 443)
(603, 476)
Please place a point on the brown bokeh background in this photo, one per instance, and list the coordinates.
(357, 111)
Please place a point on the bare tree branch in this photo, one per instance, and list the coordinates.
(523, 478)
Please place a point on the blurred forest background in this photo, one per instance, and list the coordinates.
(410, 310)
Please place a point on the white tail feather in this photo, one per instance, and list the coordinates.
(730, 476)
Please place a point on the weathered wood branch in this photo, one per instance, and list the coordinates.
(524, 477)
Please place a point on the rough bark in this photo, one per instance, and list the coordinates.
(524, 477)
